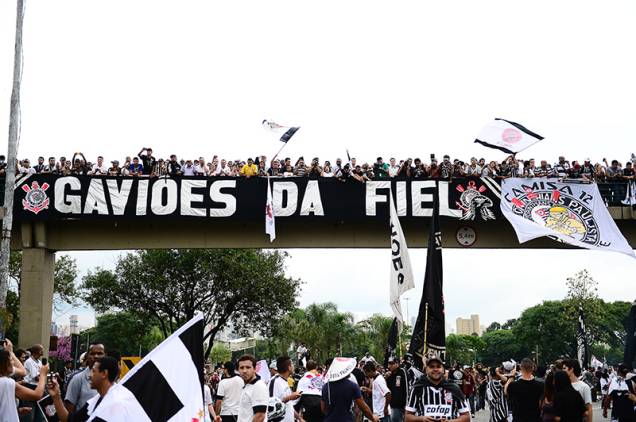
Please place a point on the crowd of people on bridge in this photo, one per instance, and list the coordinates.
(145, 164)
(337, 390)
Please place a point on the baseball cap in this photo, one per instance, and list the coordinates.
(434, 358)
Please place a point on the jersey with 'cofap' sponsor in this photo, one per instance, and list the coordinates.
(437, 403)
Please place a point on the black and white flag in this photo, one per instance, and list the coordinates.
(429, 332)
(392, 342)
(166, 385)
(507, 136)
(582, 353)
(401, 271)
(630, 339)
(285, 132)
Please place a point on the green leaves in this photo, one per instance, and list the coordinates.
(245, 287)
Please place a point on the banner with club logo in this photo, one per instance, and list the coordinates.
(574, 213)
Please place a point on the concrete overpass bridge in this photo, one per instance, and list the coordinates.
(73, 213)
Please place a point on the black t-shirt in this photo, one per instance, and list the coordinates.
(569, 406)
(398, 384)
(148, 163)
(524, 397)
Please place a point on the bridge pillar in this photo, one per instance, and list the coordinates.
(36, 297)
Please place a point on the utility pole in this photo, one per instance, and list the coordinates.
(12, 152)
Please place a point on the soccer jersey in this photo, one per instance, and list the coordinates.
(435, 402)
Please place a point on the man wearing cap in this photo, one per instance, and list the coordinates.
(432, 398)
(397, 381)
(114, 170)
(339, 393)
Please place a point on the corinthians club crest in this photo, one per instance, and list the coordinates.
(36, 198)
(473, 202)
(559, 210)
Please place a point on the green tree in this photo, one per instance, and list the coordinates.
(65, 290)
(548, 327)
(500, 346)
(463, 348)
(246, 287)
(220, 353)
(375, 330)
(125, 332)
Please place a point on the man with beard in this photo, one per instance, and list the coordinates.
(434, 398)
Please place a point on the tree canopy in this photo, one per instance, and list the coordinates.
(246, 288)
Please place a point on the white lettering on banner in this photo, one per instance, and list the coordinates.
(444, 208)
(68, 203)
(438, 411)
(119, 197)
(418, 198)
(96, 198)
(372, 198)
(187, 197)
(312, 203)
(277, 198)
(224, 198)
(400, 198)
(156, 202)
(142, 197)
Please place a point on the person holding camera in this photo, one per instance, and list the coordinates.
(11, 366)
(102, 377)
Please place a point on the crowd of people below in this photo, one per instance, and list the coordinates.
(145, 164)
(338, 390)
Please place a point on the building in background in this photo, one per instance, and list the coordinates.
(74, 324)
(469, 326)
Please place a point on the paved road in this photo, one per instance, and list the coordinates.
(484, 415)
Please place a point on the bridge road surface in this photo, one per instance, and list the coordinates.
(484, 415)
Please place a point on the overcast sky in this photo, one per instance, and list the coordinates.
(404, 78)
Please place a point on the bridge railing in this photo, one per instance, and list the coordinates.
(612, 192)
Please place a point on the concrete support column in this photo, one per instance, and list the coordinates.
(36, 297)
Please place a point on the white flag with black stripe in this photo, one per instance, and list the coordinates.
(167, 385)
(286, 132)
(401, 271)
(507, 136)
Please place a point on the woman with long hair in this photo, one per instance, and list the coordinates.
(547, 404)
(10, 390)
(568, 403)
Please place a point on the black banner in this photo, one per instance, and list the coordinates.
(49, 197)
(429, 333)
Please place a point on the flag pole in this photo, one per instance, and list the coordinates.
(279, 151)
(425, 328)
(12, 149)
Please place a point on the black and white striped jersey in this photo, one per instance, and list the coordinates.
(435, 402)
(497, 401)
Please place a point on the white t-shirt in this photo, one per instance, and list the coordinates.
(255, 394)
(187, 171)
(222, 170)
(380, 390)
(393, 170)
(207, 399)
(8, 408)
(617, 384)
(281, 390)
(229, 392)
(32, 368)
(24, 170)
(584, 391)
(97, 169)
(201, 170)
